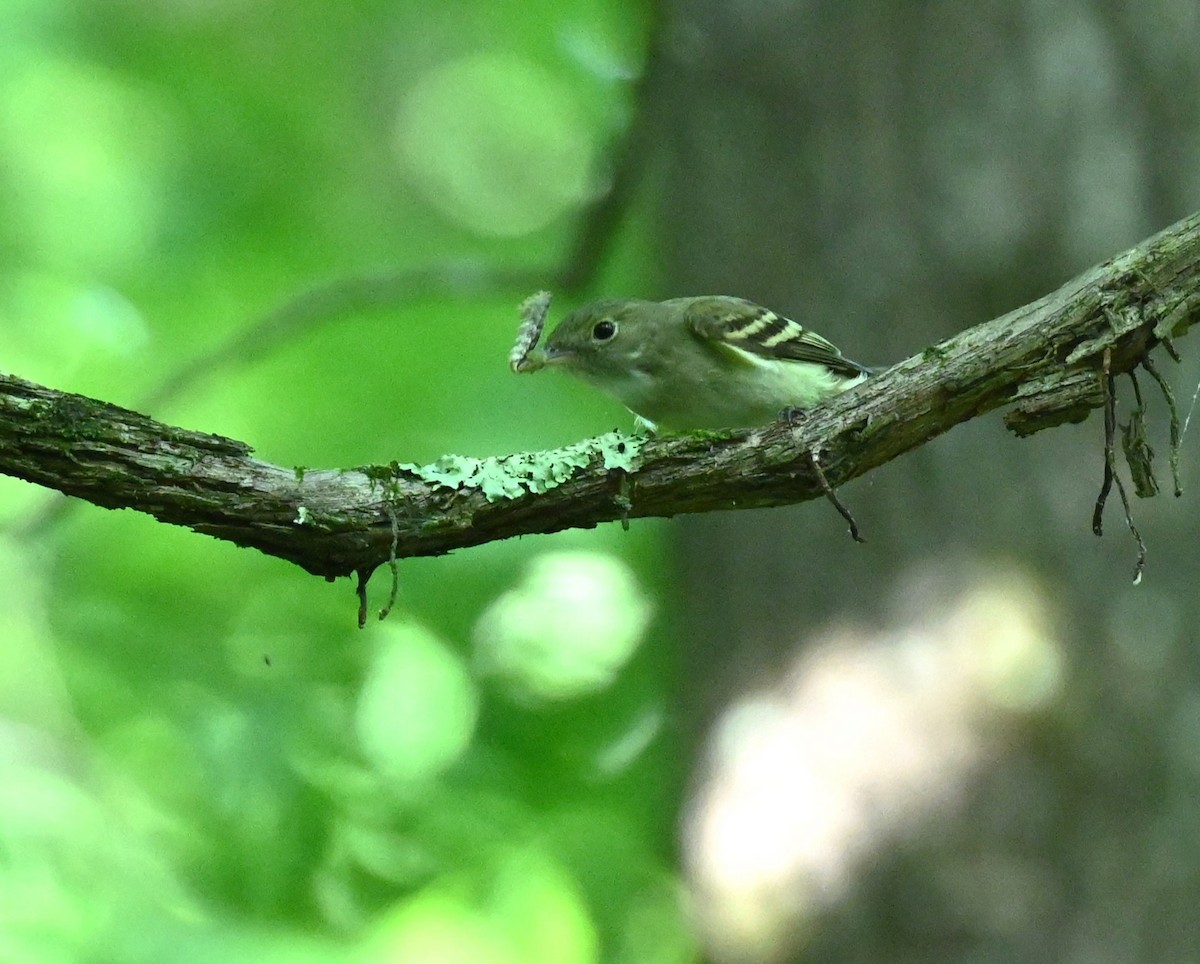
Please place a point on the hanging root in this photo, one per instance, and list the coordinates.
(1110, 475)
(1139, 456)
(1176, 433)
(391, 511)
(623, 498)
(361, 590)
(833, 497)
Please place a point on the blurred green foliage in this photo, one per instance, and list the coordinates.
(200, 757)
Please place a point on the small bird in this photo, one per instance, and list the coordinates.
(705, 362)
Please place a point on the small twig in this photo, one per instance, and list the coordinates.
(361, 590)
(832, 497)
(391, 511)
(1176, 431)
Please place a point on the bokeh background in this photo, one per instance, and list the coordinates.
(738, 737)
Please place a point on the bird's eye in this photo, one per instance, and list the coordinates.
(604, 330)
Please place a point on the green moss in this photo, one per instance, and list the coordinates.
(70, 418)
(512, 476)
(381, 474)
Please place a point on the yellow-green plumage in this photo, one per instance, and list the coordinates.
(704, 362)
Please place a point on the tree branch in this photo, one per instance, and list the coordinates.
(1044, 358)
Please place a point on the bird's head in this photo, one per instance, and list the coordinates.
(602, 338)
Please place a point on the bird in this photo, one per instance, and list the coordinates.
(704, 362)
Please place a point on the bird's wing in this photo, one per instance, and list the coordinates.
(745, 326)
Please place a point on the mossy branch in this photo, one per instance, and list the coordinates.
(1044, 360)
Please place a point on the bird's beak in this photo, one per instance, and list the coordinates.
(538, 358)
(556, 356)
